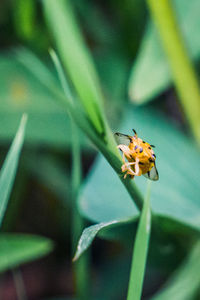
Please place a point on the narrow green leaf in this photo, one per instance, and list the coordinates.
(185, 281)
(151, 75)
(16, 249)
(140, 251)
(75, 57)
(90, 233)
(9, 168)
(40, 71)
(184, 76)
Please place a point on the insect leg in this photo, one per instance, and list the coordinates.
(126, 167)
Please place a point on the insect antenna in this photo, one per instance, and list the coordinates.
(153, 146)
(134, 131)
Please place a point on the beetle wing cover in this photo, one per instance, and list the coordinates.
(152, 174)
(123, 139)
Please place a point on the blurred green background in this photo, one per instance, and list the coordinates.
(42, 223)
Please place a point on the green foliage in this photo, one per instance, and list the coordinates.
(91, 232)
(28, 84)
(184, 283)
(103, 199)
(16, 249)
(24, 18)
(9, 168)
(151, 74)
(140, 251)
(106, 144)
(75, 58)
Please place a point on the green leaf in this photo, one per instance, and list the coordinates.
(8, 171)
(185, 282)
(151, 74)
(140, 251)
(24, 18)
(75, 57)
(90, 233)
(33, 92)
(16, 249)
(175, 195)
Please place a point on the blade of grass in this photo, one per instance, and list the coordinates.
(81, 277)
(76, 58)
(24, 18)
(9, 168)
(185, 79)
(78, 64)
(140, 251)
(108, 149)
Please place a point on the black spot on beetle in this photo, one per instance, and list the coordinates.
(141, 149)
(143, 142)
(141, 163)
(149, 148)
(151, 160)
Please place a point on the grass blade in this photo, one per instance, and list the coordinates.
(108, 149)
(184, 76)
(140, 251)
(9, 168)
(76, 58)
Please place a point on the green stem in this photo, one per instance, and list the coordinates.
(141, 243)
(184, 76)
(81, 267)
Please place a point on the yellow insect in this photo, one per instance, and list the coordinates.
(138, 156)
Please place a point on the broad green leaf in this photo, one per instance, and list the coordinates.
(185, 282)
(175, 195)
(8, 171)
(75, 57)
(90, 233)
(151, 74)
(23, 90)
(16, 249)
(140, 251)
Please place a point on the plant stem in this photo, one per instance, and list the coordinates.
(140, 250)
(80, 267)
(185, 79)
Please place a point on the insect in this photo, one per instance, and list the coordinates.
(138, 156)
